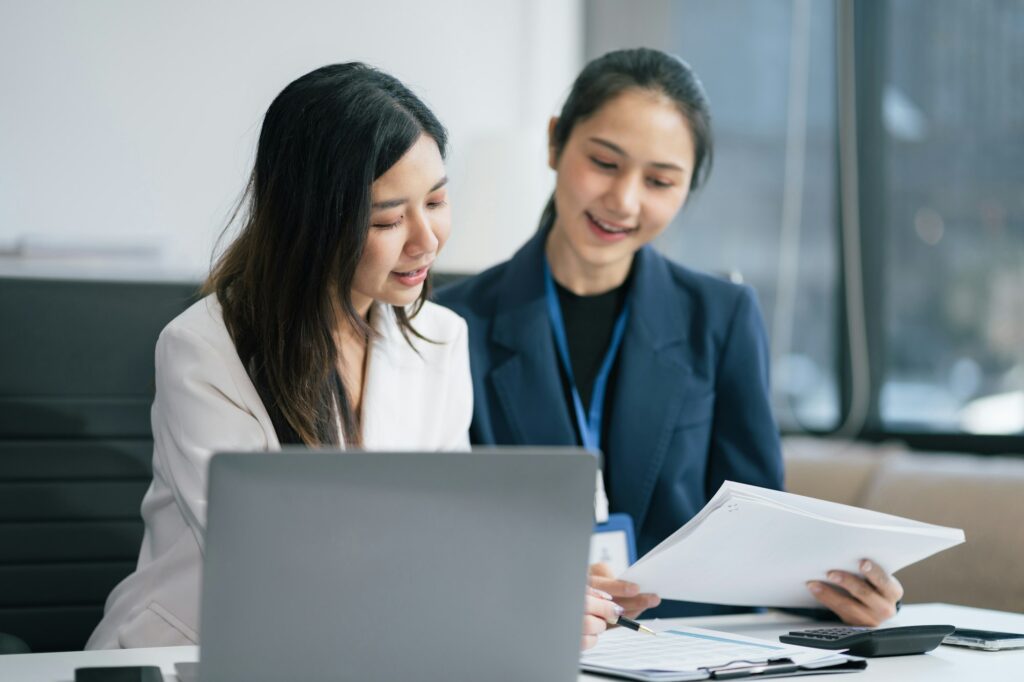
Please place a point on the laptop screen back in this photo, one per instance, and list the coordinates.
(390, 566)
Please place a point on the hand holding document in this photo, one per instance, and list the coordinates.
(753, 546)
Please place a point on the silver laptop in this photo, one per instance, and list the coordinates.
(396, 566)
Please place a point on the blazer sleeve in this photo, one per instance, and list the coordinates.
(745, 443)
(198, 411)
(459, 411)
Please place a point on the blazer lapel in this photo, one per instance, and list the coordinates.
(646, 406)
(527, 384)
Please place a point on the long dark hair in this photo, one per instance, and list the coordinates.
(605, 78)
(305, 217)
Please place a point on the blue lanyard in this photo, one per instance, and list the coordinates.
(589, 423)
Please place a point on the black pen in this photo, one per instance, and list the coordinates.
(620, 620)
(633, 625)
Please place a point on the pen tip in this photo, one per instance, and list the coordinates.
(648, 630)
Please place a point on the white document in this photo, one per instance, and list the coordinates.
(753, 546)
(685, 653)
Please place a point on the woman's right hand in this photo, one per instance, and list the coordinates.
(624, 593)
(598, 613)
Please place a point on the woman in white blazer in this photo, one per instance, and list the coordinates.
(315, 330)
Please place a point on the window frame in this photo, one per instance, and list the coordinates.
(866, 25)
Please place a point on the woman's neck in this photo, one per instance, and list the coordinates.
(352, 358)
(346, 333)
(361, 304)
(577, 275)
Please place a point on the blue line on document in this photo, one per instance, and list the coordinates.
(721, 639)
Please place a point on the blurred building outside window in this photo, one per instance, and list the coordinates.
(951, 159)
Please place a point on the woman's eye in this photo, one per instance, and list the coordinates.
(660, 184)
(440, 203)
(388, 226)
(604, 165)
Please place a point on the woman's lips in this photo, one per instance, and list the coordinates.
(607, 231)
(411, 278)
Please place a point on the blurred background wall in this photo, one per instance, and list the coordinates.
(128, 128)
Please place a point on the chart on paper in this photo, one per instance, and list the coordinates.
(676, 649)
(676, 652)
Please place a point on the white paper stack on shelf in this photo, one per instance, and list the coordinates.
(753, 546)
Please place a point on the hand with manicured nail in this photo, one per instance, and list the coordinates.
(598, 613)
(868, 598)
(626, 594)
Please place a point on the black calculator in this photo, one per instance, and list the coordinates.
(871, 642)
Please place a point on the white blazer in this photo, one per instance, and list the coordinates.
(206, 403)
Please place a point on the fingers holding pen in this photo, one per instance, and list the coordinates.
(625, 593)
(599, 612)
(600, 603)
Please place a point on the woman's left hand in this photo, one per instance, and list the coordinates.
(867, 599)
(599, 612)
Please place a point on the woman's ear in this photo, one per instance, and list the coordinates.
(552, 155)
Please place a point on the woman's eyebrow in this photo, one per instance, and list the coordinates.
(663, 165)
(393, 203)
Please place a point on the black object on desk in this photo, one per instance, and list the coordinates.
(870, 642)
(132, 673)
(985, 640)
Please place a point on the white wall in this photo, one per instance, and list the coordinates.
(130, 125)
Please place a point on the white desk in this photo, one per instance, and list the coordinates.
(945, 663)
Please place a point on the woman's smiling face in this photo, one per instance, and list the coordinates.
(622, 176)
(409, 224)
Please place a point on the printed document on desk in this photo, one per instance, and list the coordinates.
(753, 546)
(680, 653)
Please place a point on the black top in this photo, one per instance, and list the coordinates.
(589, 323)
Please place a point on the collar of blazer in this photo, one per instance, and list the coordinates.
(652, 366)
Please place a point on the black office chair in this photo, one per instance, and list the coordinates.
(9, 644)
(75, 448)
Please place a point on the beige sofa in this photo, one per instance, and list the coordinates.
(982, 495)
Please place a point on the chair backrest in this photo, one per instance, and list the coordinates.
(76, 385)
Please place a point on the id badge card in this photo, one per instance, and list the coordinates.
(614, 543)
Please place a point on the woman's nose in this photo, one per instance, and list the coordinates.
(623, 196)
(422, 239)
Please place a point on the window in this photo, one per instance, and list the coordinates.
(768, 213)
(952, 216)
(938, 155)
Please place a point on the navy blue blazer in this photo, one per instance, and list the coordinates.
(691, 403)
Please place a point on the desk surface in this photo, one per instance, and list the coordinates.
(945, 663)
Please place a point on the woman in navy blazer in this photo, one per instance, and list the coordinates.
(688, 396)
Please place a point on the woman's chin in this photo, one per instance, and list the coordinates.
(401, 298)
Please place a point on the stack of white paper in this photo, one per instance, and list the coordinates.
(752, 546)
